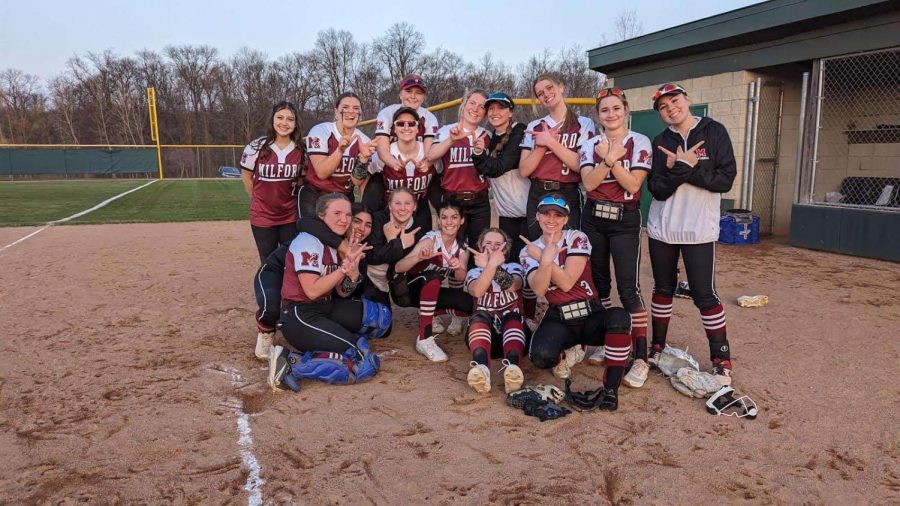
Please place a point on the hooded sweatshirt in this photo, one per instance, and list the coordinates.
(686, 200)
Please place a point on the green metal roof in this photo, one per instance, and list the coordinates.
(766, 21)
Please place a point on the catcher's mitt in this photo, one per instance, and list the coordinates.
(695, 383)
(504, 279)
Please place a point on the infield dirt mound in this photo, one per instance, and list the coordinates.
(117, 385)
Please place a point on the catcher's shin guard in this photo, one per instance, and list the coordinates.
(329, 367)
(376, 319)
(366, 367)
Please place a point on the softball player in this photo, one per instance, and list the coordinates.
(412, 91)
(439, 255)
(556, 266)
(335, 150)
(613, 167)
(416, 172)
(550, 150)
(496, 328)
(271, 167)
(460, 180)
(693, 165)
(498, 161)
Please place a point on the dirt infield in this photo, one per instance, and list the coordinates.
(127, 375)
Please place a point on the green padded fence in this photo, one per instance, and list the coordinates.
(65, 161)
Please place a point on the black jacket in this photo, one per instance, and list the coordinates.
(384, 251)
(715, 170)
(507, 159)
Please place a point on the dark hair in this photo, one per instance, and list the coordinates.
(359, 207)
(404, 110)
(296, 136)
(453, 204)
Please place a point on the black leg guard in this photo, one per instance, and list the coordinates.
(718, 347)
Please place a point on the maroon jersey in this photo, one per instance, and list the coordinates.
(428, 123)
(323, 139)
(459, 173)
(496, 300)
(306, 254)
(550, 167)
(637, 157)
(574, 243)
(274, 176)
(407, 177)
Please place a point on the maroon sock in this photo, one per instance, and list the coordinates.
(480, 339)
(427, 302)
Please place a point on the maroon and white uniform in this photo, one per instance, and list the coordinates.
(638, 156)
(573, 243)
(407, 177)
(496, 301)
(441, 261)
(457, 169)
(306, 254)
(274, 177)
(550, 167)
(428, 123)
(323, 139)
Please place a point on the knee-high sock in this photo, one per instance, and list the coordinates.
(618, 346)
(714, 325)
(480, 339)
(427, 302)
(639, 333)
(661, 311)
(513, 340)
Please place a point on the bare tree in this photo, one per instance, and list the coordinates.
(400, 50)
(336, 59)
(491, 75)
(628, 25)
(23, 105)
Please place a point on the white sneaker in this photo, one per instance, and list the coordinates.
(512, 376)
(263, 343)
(598, 357)
(455, 327)
(437, 326)
(431, 350)
(479, 377)
(637, 375)
(570, 357)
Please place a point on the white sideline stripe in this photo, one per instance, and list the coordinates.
(245, 441)
(77, 215)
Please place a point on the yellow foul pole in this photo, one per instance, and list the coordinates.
(154, 127)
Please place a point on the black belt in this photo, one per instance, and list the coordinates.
(463, 196)
(631, 205)
(554, 185)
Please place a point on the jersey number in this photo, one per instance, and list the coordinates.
(587, 287)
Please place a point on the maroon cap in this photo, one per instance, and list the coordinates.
(412, 81)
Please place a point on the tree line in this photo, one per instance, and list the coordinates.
(204, 97)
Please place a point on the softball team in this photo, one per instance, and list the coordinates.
(553, 242)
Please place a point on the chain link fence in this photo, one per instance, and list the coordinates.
(858, 131)
(765, 159)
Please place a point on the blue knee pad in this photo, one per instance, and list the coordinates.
(334, 369)
(366, 367)
(376, 319)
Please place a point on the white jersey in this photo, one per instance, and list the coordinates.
(690, 215)
(428, 123)
(510, 192)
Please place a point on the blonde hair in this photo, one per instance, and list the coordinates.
(467, 96)
(507, 246)
(571, 118)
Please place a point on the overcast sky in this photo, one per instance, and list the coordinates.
(38, 36)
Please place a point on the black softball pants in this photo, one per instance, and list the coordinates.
(553, 335)
(700, 264)
(268, 239)
(621, 241)
(322, 326)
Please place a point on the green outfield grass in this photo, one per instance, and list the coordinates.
(36, 203)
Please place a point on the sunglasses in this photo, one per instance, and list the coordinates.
(666, 89)
(605, 92)
(405, 124)
(553, 201)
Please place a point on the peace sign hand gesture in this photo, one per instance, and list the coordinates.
(533, 250)
(458, 133)
(690, 156)
(670, 157)
(480, 258)
(346, 142)
(409, 238)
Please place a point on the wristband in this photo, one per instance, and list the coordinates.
(348, 285)
(360, 170)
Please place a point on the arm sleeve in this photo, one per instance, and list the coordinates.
(716, 174)
(662, 181)
(642, 153)
(317, 140)
(308, 254)
(251, 152)
(527, 138)
(578, 243)
(507, 160)
(586, 154)
(318, 228)
(588, 130)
